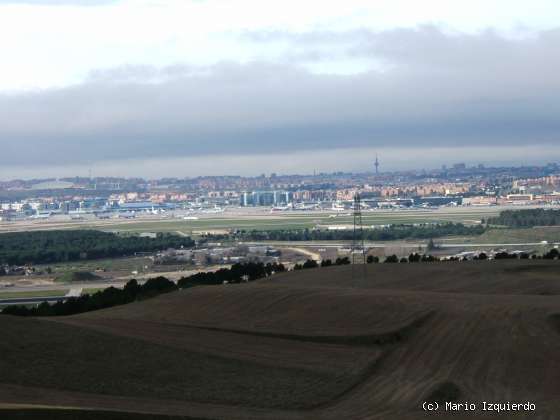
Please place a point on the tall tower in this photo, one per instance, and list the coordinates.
(376, 165)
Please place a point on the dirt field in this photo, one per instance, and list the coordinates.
(313, 344)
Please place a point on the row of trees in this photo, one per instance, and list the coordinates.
(46, 247)
(371, 259)
(324, 263)
(103, 299)
(393, 232)
(236, 274)
(133, 291)
(526, 218)
(553, 254)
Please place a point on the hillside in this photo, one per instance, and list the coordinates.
(313, 344)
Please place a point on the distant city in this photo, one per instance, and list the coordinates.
(456, 185)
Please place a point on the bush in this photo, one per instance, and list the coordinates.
(553, 254)
(504, 256)
(414, 257)
(372, 259)
(310, 264)
(342, 261)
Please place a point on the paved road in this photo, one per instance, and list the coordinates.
(30, 301)
(331, 244)
(64, 287)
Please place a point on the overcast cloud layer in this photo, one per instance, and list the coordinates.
(330, 95)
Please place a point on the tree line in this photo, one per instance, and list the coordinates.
(526, 218)
(387, 233)
(133, 291)
(46, 247)
(414, 257)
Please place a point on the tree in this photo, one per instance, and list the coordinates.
(342, 261)
(553, 254)
(372, 259)
(414, 257)
(392, 259)
(310, 264)
(326, 263)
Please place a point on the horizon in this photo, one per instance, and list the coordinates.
(428, 170)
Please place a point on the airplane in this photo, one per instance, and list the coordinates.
(338, 207)
(41, 216)
(302, 206)
(280, 208)
(216, 209)
(127, 215)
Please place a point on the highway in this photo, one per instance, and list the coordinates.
(75, 290)
(332, 244)
(65, 286)
(30, 301)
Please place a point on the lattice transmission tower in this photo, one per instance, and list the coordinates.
(358, 248)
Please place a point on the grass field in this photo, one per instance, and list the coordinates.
(328, 343)
(301, 221)
(109, 264)
(537, 234)
(36, 293)
(262, 220)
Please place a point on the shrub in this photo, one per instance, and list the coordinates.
(392, 259)
(372, 259)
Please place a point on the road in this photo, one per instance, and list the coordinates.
(65, 286)
(333, 244)
(30, 301)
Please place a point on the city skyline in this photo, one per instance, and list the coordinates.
(357, 161)
(381, 170)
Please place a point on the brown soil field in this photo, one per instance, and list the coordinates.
(311, 344)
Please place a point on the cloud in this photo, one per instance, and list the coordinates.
(434, 90)
(58, 2)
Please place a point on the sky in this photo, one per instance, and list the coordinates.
(183, 88)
